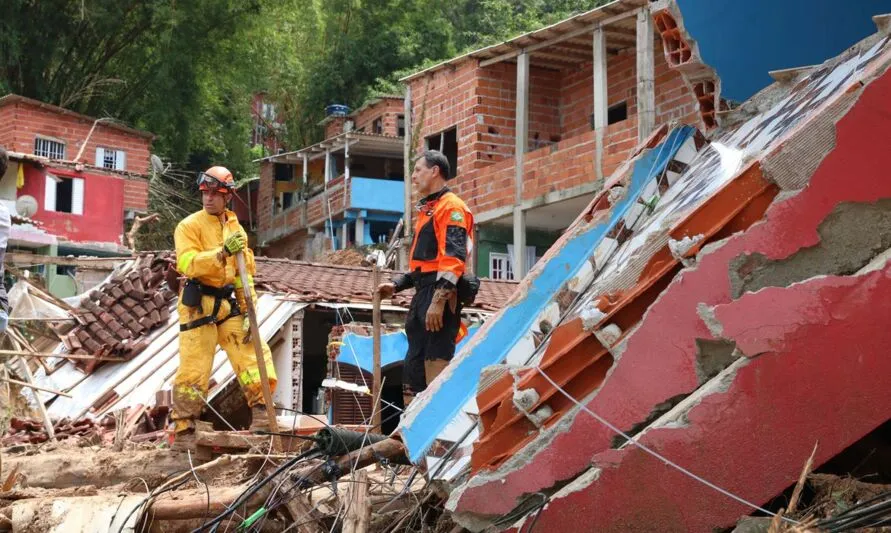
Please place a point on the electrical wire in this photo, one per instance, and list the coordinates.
(250, 491)
(659, 456)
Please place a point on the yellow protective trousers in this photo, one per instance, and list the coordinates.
(196, 351)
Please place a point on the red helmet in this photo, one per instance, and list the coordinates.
(216, 179)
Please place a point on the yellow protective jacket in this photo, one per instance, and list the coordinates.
(200, 254)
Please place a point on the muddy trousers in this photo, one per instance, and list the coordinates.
(196, 353)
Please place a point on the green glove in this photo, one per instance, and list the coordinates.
(234, 243)
(246, 329)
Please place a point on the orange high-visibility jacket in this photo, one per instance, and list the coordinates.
(443, 237)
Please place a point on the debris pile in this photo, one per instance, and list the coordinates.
(30, 431)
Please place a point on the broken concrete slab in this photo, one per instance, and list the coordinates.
(660, 362)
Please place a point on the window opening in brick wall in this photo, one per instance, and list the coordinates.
(64, 195)
(499, 266)
(111, 159)
(400, 125)
(447, 143)
(617, 113)
(49, 148)
(378, 126)
(283, 172)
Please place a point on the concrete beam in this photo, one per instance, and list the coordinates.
(601, 102)
(646, 93)
(522, 138)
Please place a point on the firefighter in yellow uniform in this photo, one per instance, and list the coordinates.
(212, 307)
(440, 248)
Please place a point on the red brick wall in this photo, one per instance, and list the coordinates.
(334, 127)
(30, 120)
(291, 247)
(136, 193)
(482, 102)
(388, 108)
(265, 196)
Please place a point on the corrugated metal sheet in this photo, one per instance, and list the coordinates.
(121, 385)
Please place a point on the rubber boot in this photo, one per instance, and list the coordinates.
(259, 418)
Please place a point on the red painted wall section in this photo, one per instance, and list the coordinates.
(103, 218)
(774, 409)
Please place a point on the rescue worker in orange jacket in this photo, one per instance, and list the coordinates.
(439, 251)
(212, 307)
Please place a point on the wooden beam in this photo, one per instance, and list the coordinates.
(646, 94)
(21, 259)
(521, 140)
(358, 505)
(35, 387)
(73, 356)
(601, 102)
(564, 37)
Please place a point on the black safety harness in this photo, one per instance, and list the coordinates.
(192, 292)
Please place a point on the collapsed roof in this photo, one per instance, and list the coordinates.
(697, 260)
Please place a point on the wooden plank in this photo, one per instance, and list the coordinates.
(303, 515)
(358, 505)
(21, 259)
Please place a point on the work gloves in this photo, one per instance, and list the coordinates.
(441, 296)
(386, 290)
(235, 243)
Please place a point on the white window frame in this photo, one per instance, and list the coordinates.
(47, 149)
(502, 271)
(117, 159)
(77, 194)
(268, 112)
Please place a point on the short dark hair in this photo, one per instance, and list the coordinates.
(4, 161)
(435, 158)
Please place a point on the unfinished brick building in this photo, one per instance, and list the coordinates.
(345, 191)
(589, 88)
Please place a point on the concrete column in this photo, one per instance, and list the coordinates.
(283, 359)
(522, 136)
(360, 230)
(305, 175)
(407, 168)
(344, 235)
(327, 165)
(346, 160)
(601, 101)
(646, 94)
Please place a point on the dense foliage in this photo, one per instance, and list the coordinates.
(186, 70)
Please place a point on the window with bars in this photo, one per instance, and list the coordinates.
(111, 159)
(49, 148)
(377, 126)
(499, 266)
